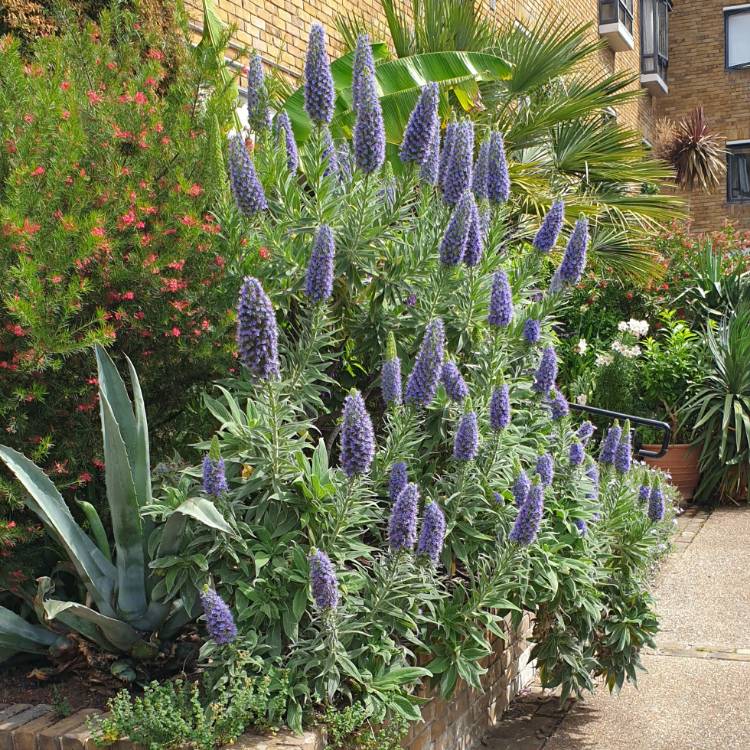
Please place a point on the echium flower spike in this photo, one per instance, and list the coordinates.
(574, 260)
(558, 405)
(460, 164)
(585, 431)
(258, 113)
(529, 518)
(423, 379)
(454, 384)
(219, 621)
(498, 178)
(609, 446)
(246, 188)
(546, 372)
(453, 244)
(284, 131)
(390, 374)
(357, 436)
(532, 331)
(451, 130)
(474, 238)
(319, 279)
(624, 450)
(644, 493)
(521, 488)
(656, 504)
(545, 468)
(329, 155)
(257, 334)
(481, 171)
(402, 526)
(323, 582)
(432, 534)
(576, 454)
(546, 237)
(369, 131)
(580, 524)
(319, 89)
(362, 63)
(214, 476)
(419, 130)
(501, 300)
(428, 172)
(397, 480)
(592, 473)
(500, 408)
(466, 445)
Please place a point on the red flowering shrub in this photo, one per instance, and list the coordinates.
(109, 170)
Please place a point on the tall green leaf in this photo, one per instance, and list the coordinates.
(18, 635)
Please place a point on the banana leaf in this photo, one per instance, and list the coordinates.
(18, 635)
(97, 573)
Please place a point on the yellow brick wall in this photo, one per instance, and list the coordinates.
(697, 77)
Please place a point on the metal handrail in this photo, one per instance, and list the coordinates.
(655, 423)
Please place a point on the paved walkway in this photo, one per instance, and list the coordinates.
(695, 694)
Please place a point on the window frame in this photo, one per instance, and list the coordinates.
(733, 10)
(623, 14)
(660, 61)
(742, 146)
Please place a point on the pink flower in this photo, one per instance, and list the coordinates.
(65, 85)
(128, 295)
(140, 97)
(65, 114)
(94, 98)
(38, 172)
(175, 331)
(98, 232)
(194, 190)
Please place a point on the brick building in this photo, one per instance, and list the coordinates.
(685, 53)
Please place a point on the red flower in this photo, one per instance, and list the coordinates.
(84, 477)
(65, 85)
(155, 54)
(140, 97)
(94, 98)
(175, 331)
(128, 295)
(194, 190)
(264, 253)
(38, 172)
(98, 232)
(65, 114)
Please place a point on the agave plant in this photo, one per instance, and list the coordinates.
(119, 612)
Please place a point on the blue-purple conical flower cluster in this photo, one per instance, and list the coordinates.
(574, 260)
(585, 431)
(501, 300)
(432, 534)
(369, 131)
(458, 173)
(402, 527)
(498, 178)
(319, 89)
(576, 454)
(284, 133)
(546, 237)
(656, 505)
(546, 372)
(521, 487)
(545, 468)
(474, 238)
(421, 126)
(430, 168)
(624, 451)
(454, 384)
(257, 334)
(644, 493)
(609, 446)
(532, 331)
(453, 244)
(481, 171)
(214, 476)
(219, 621)
(500, 408)
(323, 582)
(529, 518)
(424, 377)
(466, 445)
(390, 381)
(246, 188)
(258, 113)
(319, 279)
(593, 475)
(362, 64)
(451, 130)
(398, 479)
(329, 153)
(558, 405)
(357, 436)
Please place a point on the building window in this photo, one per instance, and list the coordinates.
(737, 36)
(655, 45)
(738, 172)
(616, 11)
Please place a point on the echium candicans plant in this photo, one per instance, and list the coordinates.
(421, 127)
(319, 88)
(362, 65)
(259, 114)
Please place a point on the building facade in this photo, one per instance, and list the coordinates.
(682, 54)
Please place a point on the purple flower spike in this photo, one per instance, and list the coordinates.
(558, 405)
(592, 473)
(319, 90)
(609, 446)
(423, 379)
(529, 518)
(532, 331)
(369, 131)
(466, 445)
(481, 171)
(623, 453)
(421, 126)
(398, 479)
(656, 505)
(431, 162)
(451, 131)
(580, 524)
(432, 535)
(258, 114)
(459, 169)
(546, 373)
(474, 238)
(390, 381)
(329, 155)
(585, 431)
(498, 179)
(453, 244)
(576, 454)
(284, 130)
(521, 488)
(455, 386)
(319, 280)
(257, 335)
(402, 527)
(545, 468)
(500, 408)
(546, 237)
(214, 476)
(644, 493)
(574, 259)
(362, 64)
(323, 582)
(357, 436)
(501, 301)
(246, 188)
(219, 621)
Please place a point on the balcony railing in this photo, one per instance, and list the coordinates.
(616, 23)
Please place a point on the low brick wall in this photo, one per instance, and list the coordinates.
(457, 724)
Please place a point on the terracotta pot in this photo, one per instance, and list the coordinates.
(681, 462)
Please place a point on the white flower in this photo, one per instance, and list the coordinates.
(602, 360)
(639, 328)
(582, 399)
(582, 346)
(622, 325)
(618, 346)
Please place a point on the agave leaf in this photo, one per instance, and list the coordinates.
(97, 573)
(17, 635)
(126, 520)
(97, 528)
(112, 387)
